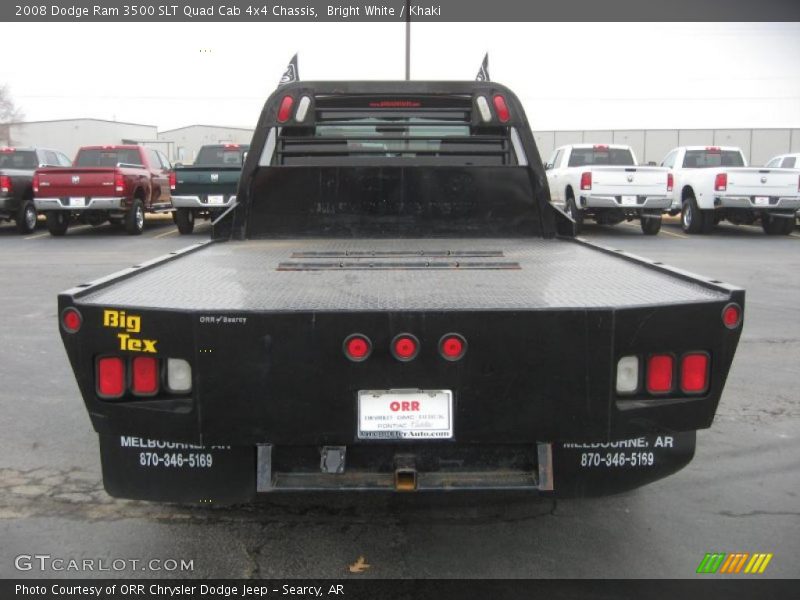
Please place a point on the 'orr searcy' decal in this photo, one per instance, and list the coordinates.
(118, 319)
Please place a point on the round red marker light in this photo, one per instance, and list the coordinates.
(71, 320)
(357, 347)
(405, 347)
(732, 316)
(452, 346)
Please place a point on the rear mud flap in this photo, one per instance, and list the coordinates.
(598, 469)
(144, 469)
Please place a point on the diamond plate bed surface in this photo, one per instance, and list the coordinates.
(234, 276)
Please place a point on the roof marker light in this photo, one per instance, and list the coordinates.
(483, 108)
(302, 109)
(501, 108)
(285, 109)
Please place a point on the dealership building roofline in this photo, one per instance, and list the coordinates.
(82, 119)
(203, 125)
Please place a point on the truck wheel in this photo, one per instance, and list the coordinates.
(57, 222)
(572, 210)
(691, 216)
(773, 225)
(134, 220)
(184, 219)
(651, 224)
(26, 217)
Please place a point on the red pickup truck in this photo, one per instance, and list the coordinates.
(106, 183)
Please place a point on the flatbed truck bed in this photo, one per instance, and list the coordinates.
(271, 275)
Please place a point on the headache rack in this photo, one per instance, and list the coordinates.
(357, 130)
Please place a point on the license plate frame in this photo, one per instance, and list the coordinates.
(629, 200)
(761, 200)
(216, 199)
(431, 419)
(77, 201)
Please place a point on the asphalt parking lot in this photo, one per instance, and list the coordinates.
(740, 494)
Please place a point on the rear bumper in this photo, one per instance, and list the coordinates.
(8, 204)
(146, 469)
(643, 202)
(785, 203)
(200, 202)
(96, 203)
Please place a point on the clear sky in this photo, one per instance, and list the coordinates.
(568, 75)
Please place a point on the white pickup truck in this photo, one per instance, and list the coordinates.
(714, 183)
(603, 181)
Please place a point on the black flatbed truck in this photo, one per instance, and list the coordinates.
(394, 304)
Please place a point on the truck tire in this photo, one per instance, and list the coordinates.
(773, 225)
(134, 219)
(184, 219)
(692, 218)
(57, 222)
(651, 224)
(572, 210)
(26, 217)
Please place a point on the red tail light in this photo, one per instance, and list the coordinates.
(501, 108)
(721, 182)
(173, 180)
(110, 377)
(798, 184)
(71, 320)
(5, 184)
(659, 373)
(452, 347)
(586, 180)
(405, 347)
(119, 182)
(732, 316)
(670, 182)
(357, 347)
(36, 183)
(285, 109)
(145, 376)
(694, 373)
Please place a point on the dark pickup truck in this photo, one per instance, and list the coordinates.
(208, 187)
(394, 304)
(17, 166)
(118, 184)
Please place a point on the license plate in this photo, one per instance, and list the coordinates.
(216, 199)
(762, 200)
(405, 414)
(628, 201)
(77, 201)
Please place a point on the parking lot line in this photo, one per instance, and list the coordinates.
(166, 233)
(673, 234)
(38, 235)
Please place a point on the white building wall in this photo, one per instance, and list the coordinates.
(69, 135)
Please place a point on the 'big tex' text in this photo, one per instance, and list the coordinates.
(119, 319)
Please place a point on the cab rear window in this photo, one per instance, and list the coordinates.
(601, 156)
(108, 157)
(18, 159)
(704, 159)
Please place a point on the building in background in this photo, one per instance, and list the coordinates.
(182, 144)
(67, 135)
(652, 145)
(186, 141)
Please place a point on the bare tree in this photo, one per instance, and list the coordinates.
(9, 112)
